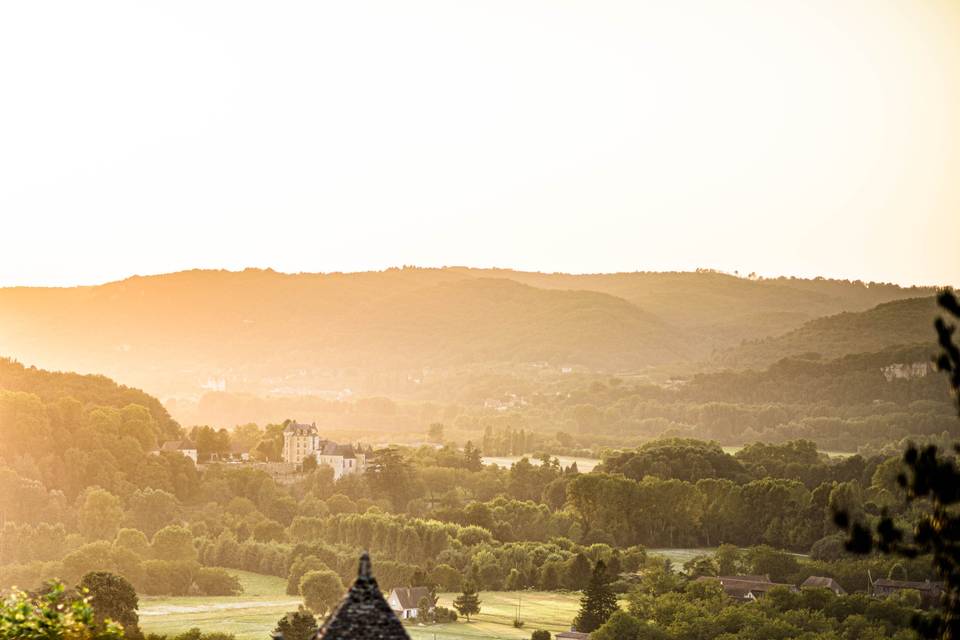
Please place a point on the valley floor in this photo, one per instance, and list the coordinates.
(253, 614)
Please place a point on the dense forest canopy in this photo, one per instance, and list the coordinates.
(733, 448)
(50, 386)
(84, 492)
(902, 322)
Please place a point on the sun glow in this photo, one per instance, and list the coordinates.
(778, 137)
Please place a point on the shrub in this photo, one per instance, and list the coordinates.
(26, 617)
(217, 582)
(442, 615)
(163, 578)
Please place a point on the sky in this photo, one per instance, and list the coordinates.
(769, 136)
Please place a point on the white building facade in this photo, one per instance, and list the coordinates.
(302, 441)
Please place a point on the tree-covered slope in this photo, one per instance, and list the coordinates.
(264, 331)
(902, 322)
(168, 331)
(53, 386)
(67, 432)
(721, 309)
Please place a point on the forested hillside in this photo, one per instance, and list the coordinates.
(80, 490)
(97, 390)
(902, 322)
(266, 332)
(720, 309)
(62, 432)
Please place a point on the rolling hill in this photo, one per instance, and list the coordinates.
(53, 386)
(903, 322)
(268, 332)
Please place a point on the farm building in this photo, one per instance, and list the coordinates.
(821, 582)
(405, 601)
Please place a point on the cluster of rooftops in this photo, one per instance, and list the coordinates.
(754, 587)
(364, 614)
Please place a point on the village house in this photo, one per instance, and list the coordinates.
(821, 582)
(239, 453)
(183, 447)
(405, 601)
(748, 588)
(572, 635)
(302, 441)
(929, 591)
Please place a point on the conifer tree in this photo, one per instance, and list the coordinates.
(468, 602)
(578, 572)
(599, 602)
(296, 625)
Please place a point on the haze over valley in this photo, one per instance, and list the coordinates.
(404, 332)
(501, 320)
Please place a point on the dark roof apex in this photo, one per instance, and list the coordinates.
(363, 614)
(365, 570)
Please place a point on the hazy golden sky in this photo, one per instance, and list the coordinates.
(784, 137)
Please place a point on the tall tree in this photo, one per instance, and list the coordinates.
(321, 590)
(467, 603)
(578, 572)
(392, 476)
(598, 603)
(113, 598)
(99, 514)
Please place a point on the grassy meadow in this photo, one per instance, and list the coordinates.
(734, 449)
(253, 614)
(679, 556)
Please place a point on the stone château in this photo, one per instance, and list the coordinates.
(302, 441)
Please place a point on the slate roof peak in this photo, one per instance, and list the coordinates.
(365, 571)
(364, 613)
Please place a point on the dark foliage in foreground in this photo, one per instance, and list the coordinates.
(934, 479)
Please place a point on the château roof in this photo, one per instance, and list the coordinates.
(363, 614)
(329, 448)
(299, 429)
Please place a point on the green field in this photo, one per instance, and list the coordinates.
(679, 556)
(253, 614)
(732, 450)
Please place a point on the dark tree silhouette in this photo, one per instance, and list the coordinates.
(935, 479)
(113, 598)
(599, 602)
(467, 603)
(296, 625)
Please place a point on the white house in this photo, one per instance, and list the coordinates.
(183, 447)
(405, 601)
(301, 441)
